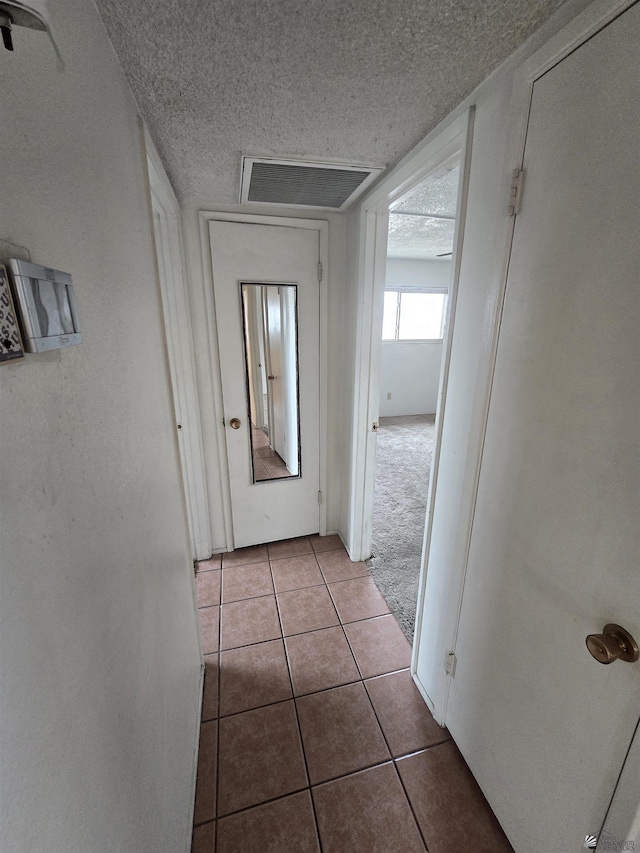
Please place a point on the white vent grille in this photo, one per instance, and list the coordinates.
(300, 184)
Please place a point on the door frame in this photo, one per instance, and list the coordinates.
(322, 227)
(454, 139)
(176, 315)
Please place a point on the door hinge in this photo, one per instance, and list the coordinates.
(450, 665)
(319, 497)
(515, 191)
(319, 270)
(375, 426)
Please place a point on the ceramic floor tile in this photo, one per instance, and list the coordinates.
(210, 693)
(283, 826)
(205, 805)
(336, 566)
(209, 629)
(264, 452)
(276, 469)
(260, 472)
(203, 838)
(243, 556)
(259, 439)
(326, 543)
(290, 548)
(306, 610)
(253, 676)
(208, 588)
(296, 572)
(249, 581)
(358, 598)
(340, 732)
(450, 807)
(367, 812)
(378, 645)
(209, 565)
(405, 719)
(254, 620)
(319, 660)
(260, 757)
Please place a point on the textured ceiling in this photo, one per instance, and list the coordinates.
(419, 237)
(425, 236)
(354, 81)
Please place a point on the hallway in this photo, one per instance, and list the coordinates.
(313, 734)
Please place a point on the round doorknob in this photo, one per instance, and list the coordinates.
(614, 642)
(234, 423)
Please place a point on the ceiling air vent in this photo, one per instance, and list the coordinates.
(294, 183)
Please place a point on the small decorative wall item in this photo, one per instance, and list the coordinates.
(47, 306)
(10, 341)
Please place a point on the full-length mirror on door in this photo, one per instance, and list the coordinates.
(270, 333)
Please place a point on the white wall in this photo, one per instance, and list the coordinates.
(415, 272)
(410, 372)
(208, 369)
(100, 666)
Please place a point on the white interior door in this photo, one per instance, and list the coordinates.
(273, 255)
(555, 543)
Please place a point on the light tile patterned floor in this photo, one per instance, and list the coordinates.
(314, 737)
(267, 464)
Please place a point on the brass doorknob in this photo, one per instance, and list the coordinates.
(271, 377)
(614, 642)
(234, 423)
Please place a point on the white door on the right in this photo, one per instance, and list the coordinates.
(555, 549)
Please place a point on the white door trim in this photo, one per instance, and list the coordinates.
(322, 227)
(436, 149)
(453, 140)
(179, 336)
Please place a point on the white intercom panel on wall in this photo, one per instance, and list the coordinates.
(46, 306)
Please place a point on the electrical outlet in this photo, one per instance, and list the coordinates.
(388, 395)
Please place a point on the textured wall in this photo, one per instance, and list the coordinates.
(99, 651)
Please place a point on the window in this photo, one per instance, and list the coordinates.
(414, 315)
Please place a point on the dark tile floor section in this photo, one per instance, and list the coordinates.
(314, 736)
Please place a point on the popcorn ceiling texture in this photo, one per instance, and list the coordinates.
(419, 236)
(358, 81)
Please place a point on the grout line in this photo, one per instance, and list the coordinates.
(295, 708)
(408, 799)
(352, 773)
(256, 708)
(263, 803)
(393, 762)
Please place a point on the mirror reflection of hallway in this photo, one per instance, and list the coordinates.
(271, 364)
(418, 275)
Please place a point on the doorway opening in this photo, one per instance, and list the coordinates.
(418, 274)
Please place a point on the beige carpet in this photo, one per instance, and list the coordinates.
(403, 468)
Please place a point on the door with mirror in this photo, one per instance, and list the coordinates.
(267, 303)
